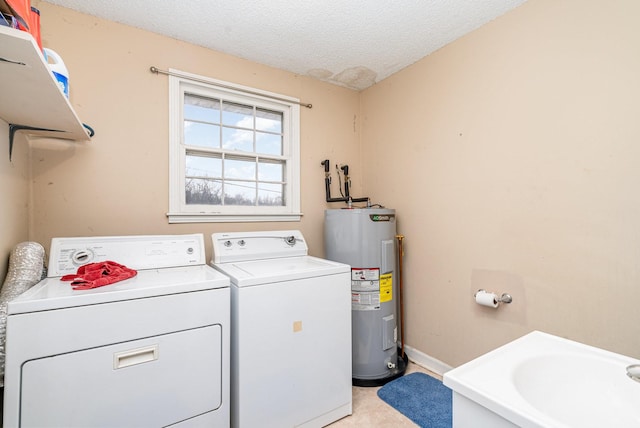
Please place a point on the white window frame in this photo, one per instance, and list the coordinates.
(179, 212)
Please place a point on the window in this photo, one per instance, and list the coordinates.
(234, 152)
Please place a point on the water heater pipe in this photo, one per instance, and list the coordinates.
(347, 184)
(400, 239)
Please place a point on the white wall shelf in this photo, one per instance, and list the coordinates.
(30, 98)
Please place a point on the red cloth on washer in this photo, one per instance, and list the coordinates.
(94, 275)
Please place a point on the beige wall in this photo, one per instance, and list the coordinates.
(14, 188)
(513, 159)
(118, 183)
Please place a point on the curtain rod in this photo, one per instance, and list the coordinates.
(156, 70)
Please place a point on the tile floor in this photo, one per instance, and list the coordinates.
(371, 412)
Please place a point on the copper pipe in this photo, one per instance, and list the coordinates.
(400, 239)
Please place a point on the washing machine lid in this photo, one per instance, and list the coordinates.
(52, 293)
(259, 272)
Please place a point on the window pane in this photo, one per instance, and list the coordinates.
(239, 169)
(268, 143)
(227, 142)
(270, 194)
(203, 166)
(270, 171)
(201, 134)
(267, 120)
(202, 192)
(237, 139)
(237, 115)
(200, 108)
(239, 193)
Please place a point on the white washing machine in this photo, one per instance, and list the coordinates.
(152, 350)
(290, 331)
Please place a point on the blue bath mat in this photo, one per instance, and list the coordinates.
(421, 398)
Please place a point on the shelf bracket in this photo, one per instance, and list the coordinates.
(13, 128)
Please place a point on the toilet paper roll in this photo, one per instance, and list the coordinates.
(487, 299)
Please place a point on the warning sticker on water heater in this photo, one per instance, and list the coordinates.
(386, 287)
(365, 289)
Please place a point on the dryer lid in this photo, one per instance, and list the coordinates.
(52, 293)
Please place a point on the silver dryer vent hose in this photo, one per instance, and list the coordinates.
(26, 268)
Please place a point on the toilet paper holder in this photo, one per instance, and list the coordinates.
(503, 298)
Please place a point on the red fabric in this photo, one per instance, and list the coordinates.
(94, 275)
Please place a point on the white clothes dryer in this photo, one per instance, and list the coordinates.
(290, 331)
(152, 350)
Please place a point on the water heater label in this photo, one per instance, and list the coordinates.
(365, 301)
(386, 287)
(365, 289)
(382, 217)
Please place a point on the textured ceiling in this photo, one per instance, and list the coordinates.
(352, 43)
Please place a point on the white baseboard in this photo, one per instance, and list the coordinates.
(426, 361)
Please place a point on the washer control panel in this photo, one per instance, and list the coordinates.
(136, 252)
(244, 246)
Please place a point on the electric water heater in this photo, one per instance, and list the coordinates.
(364, 238)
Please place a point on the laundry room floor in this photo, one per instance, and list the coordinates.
(370, 411)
